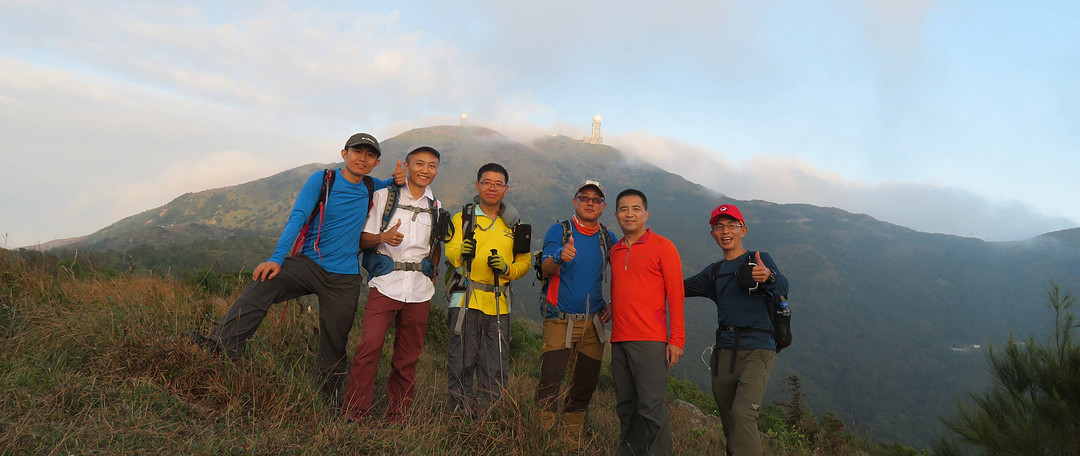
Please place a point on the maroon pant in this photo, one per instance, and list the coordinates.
(410, 321)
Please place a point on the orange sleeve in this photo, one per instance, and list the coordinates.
(671, 267)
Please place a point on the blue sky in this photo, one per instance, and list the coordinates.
(951, 117)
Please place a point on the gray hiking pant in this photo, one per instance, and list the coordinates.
(299, 276)
(639, 369)
(476, 352)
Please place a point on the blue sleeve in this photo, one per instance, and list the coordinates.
(699, 284)
(552, 240)
(780, 287)
(301, 211)
(381, 183)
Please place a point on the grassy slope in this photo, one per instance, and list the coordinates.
(96, 365)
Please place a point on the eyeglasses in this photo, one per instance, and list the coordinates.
(729, 227)
(586, 200)
(492, 184)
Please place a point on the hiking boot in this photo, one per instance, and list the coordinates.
(333, 386)
(570, 430)
(353, 416)
(547, 420)
(396, 418)
(203, 342)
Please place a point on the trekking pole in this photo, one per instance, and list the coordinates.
(462, 314)
(498, 322)
(576, 347)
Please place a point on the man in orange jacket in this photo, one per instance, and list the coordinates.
(647, 331)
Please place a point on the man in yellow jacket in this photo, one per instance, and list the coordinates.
(482, 250)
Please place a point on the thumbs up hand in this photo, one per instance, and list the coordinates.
(399, 174)
(392, 236)
(760, 272)
(568, 251)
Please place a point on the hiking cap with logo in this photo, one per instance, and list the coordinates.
(591, 183)
(726, 209)
(364, 139)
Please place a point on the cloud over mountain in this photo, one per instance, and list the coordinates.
(778, 178)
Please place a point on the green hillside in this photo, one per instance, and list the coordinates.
(878, 307)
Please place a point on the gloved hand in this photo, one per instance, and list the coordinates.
(468, 250)
(497, 263)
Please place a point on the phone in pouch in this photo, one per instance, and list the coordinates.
(746, 279)
(522, 238)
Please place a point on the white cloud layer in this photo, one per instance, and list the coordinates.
(790, 179)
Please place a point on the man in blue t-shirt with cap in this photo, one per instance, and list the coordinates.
(573, 261)
(327, 264)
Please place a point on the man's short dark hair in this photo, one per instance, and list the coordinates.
(493, 167)
(428, 149)
(632, 192)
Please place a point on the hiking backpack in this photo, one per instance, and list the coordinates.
(320, 209)
(455, 281)
(377, 264)
(567, 231)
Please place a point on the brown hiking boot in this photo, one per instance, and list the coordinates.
(547, 420)
(570, 431)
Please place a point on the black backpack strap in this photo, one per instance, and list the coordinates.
(605, 242)
(324, 193)
(436, 236)
(370, 184)
(468, 221)
(605, 250)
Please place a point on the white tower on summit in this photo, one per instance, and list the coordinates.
(595, 138)
(464, 119)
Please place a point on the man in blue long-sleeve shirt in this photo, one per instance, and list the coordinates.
(327, 264)
(745, 350)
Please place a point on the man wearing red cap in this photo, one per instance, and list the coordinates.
(745, 350)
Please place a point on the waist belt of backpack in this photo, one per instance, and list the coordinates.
(501, 289)
(738, 333)
(572, 318)
(403, 266)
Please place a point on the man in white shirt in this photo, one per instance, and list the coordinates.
(402, 282)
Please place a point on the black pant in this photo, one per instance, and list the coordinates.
(299, 276)
(477, 352)
(639, 369)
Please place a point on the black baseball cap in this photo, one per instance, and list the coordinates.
(364, 139)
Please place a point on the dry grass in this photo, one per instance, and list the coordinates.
(98, 366)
